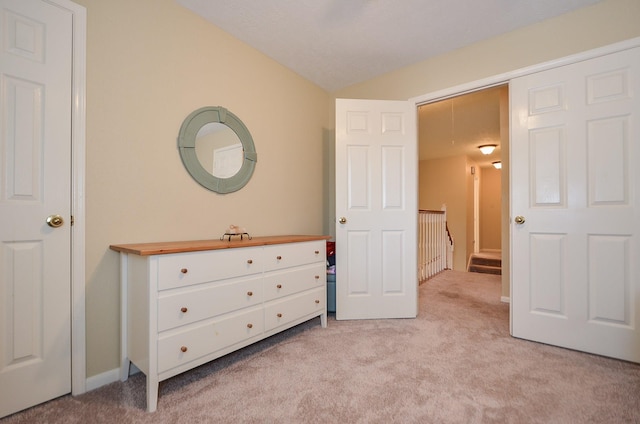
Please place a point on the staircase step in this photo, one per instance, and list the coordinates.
(485, 263)
(485, 269)
(479, 260)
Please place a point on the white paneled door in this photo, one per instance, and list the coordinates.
(35, 203)
(376, 209)
(575, 194)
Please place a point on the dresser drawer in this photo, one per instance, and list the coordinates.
(281, 312)
(185, 306)
(283, 283)
(282, 256)
(184, 269)
(179, 347)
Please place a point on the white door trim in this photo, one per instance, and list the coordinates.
(78, 142)
(507, 76)
(476, 210)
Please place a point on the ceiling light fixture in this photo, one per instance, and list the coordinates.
(487, 149)
(497, 165)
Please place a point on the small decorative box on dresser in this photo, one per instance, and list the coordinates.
(187, 303)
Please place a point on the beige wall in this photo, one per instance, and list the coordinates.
(445, 181)
(149, 64)
(490, 208)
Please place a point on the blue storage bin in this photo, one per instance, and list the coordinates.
(331, 292)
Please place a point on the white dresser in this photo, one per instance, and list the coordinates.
(187, 303)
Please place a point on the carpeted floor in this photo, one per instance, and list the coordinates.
(455, 363)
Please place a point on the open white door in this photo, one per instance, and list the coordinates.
(35, 176)
(575, 194)
(376, 209)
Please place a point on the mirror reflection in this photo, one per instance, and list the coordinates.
(219, 150)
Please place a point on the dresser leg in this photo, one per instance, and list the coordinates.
(152, 394)
(323, 320)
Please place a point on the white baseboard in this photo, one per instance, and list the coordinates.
(107, 377)
(505, 299)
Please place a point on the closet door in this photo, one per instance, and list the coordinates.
(575, 205)
(35, 203)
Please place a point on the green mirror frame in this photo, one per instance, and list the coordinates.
(187, 143)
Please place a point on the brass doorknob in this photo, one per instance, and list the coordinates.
(519, 219)
(342, 220)
(55, 221)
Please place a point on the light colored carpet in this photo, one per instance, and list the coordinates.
(455, 363)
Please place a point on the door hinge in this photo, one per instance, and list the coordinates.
(72, 220)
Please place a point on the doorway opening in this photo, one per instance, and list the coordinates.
(456, 175)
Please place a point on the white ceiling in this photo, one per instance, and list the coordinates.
(337, 43)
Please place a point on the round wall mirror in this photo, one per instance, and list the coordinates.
(217, 149)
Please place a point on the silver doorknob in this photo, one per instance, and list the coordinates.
(342, 220)
(519, 219)
(55, 221)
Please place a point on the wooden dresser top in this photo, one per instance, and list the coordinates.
(162, 248)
